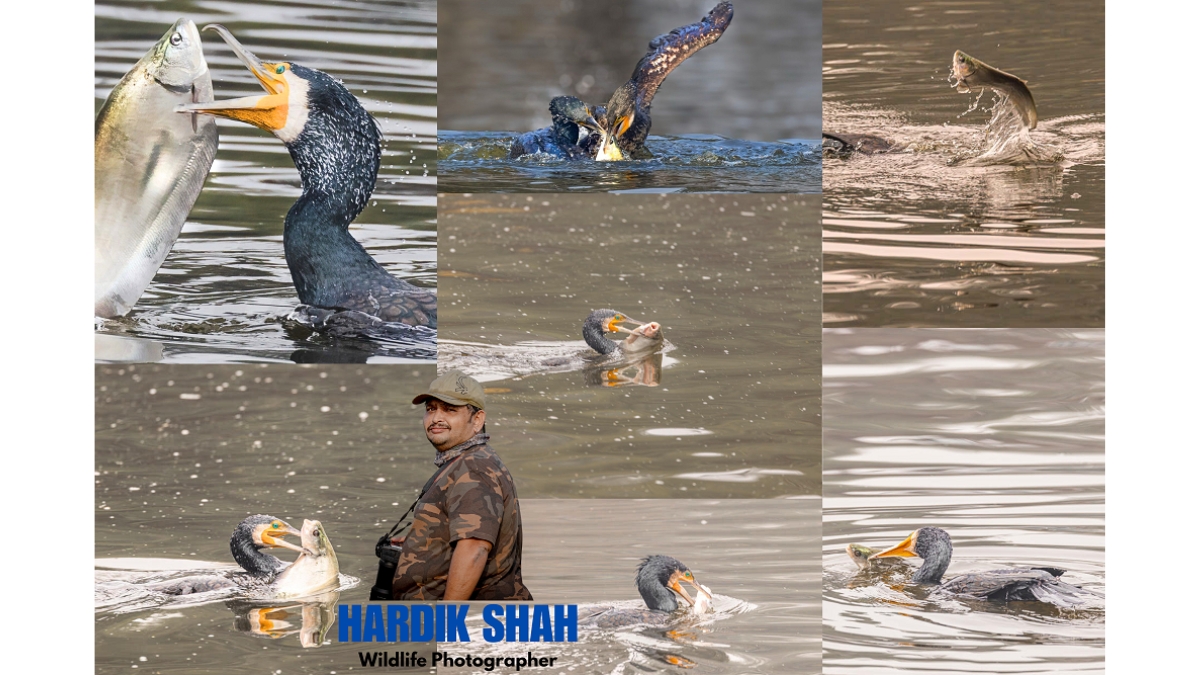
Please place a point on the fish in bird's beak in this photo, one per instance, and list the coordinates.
(677, 581)
(609, 151)
(613, 325)
(269, 112)
(272, 535)
(905, 549)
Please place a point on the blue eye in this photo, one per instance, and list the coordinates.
(280, 70)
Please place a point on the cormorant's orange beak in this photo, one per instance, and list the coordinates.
(676, 586)
(905, 549)
(270, 112)
(618, 319)
(273, 537)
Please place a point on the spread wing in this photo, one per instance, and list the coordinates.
(671, 49)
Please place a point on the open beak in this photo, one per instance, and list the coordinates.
(613, 327)
(678, 588)
(265, 112)
(274, 538)
(905, 549)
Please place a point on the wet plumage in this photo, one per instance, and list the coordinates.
(336, 147)
(659, 581)
(568, 116)
(601, 322)
(247, 545)
(932, 545)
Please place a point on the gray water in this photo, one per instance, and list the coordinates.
(925, 237)
(730, 410)
(224, 291)
(996, 436)
(184, 453)
(741, 115)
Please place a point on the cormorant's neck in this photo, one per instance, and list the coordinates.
(254, 561)
(595, 337)
(934, 567)
(326, 262)
(657, 597)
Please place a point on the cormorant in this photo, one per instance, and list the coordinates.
(249, 538)
(627, 115)
(660, 582)
(932, 544)
(335, 145)
(625, 122)
(568, 114)
(600, 322)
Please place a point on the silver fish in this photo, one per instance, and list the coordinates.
(150, 165)
(315, 570)
(971, 72)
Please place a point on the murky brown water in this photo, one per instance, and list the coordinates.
(184, 453)
(734, 410)
(997, 436)
(222, 293)
(920, 237)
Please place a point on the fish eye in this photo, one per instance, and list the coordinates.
(176, 38)
(280, 69)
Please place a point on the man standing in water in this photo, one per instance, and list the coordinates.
(465, 541)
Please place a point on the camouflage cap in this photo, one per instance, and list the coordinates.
(454, 387)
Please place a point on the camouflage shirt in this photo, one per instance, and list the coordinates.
(474, 499)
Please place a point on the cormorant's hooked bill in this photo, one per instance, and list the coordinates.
(269, 112)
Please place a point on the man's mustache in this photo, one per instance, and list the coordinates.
(438, 425)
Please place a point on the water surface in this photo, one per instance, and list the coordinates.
(996, 436)
(931, 235)
(730, 410)
(224, 291)
(732, 118)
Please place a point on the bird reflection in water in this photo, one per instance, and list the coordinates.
(309, 619)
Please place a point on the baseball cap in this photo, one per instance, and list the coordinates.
(454, 387)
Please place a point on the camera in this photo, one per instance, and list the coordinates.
(389, 556)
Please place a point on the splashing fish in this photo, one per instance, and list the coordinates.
(971, 72)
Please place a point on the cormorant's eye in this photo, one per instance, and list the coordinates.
(280, 69)
(275, 526)
(176, 38)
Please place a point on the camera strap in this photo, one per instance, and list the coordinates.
(396, 529)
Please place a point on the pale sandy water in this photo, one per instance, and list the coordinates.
(162, 493)
(996, 436)
(730, 410)
(741, 115)
(224, 290)
(923, 237)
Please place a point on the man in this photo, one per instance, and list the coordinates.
(465, 541)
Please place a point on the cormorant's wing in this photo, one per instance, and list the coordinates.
(1039, 583)
(671, 49)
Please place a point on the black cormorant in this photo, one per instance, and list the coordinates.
(600, 322)
(249, 538)
(932, 545)
(561, 139)
(660, 582)
(627, 115)
(335, 145)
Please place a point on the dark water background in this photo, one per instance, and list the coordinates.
(996, 436)
(184, 453)
(919, 237)
(742, 114)
(224, 290)
(735, 413)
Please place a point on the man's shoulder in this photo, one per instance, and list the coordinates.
(480, 464)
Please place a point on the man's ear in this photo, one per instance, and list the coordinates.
(480, 418)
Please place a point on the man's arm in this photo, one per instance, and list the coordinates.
(466, 566)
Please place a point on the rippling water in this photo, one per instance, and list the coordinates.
(726, 120)
(734, 407)
(925, 235)
(478, 162)
(996, 436)
(224, 290)
(185, 452)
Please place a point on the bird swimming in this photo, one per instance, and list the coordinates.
(932, 545)
(646, 337)
(314, 570)
(568, 116)
(150, 165)
(335, 145)
(625, 120)
(660, 582)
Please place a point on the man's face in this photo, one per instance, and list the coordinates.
(448, 425)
